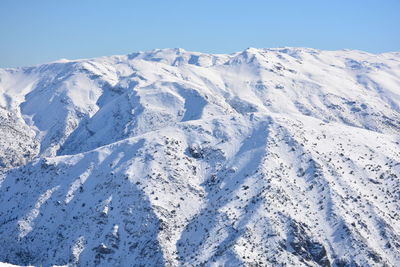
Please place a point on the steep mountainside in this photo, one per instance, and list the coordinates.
(264, 157)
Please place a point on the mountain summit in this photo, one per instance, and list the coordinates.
(265, 157)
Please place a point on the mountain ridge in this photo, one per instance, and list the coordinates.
(177, 49)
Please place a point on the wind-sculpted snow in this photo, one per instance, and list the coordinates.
(265, 157)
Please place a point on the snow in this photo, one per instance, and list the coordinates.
(170, 157)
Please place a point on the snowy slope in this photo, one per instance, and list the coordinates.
(169, 157)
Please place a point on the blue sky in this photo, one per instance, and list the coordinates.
(38, 31)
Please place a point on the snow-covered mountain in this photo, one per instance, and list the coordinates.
(264, 157)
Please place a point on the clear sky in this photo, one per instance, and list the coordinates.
(38, 31)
